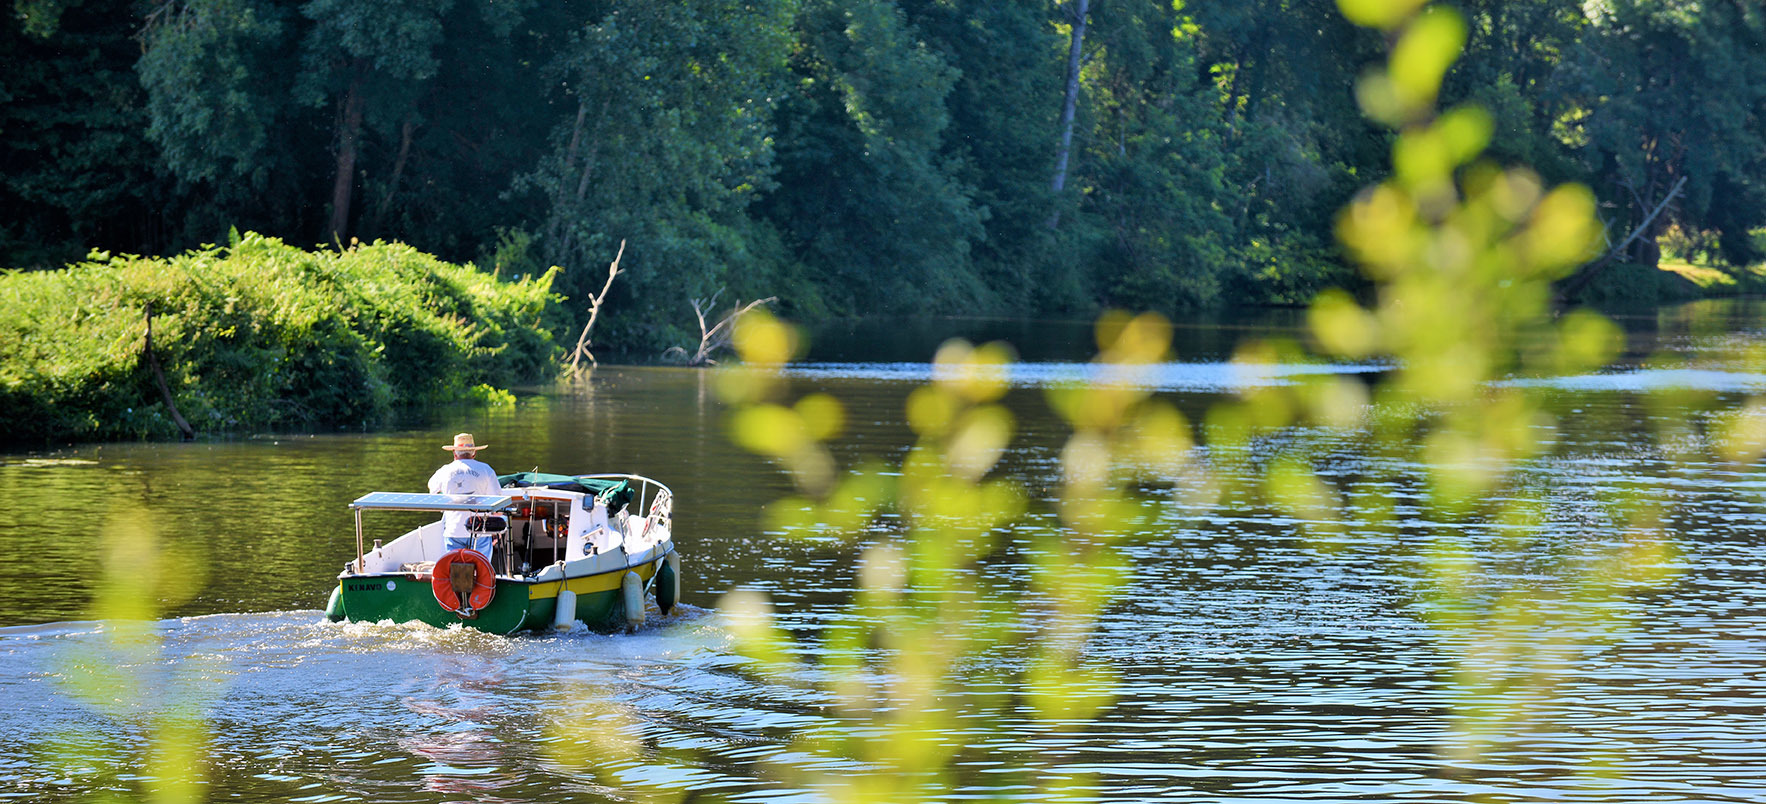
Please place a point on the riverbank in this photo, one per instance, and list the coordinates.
(1631, 285)
(259, 334)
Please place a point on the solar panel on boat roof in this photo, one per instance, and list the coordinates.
(431, 502)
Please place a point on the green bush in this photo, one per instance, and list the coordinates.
(260, 335)
(1625, 284)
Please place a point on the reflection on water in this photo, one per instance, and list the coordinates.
(1256, 663)
(1213, 377)
(1650, 380)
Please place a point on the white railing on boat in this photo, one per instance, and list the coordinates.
(657, 496)
(653, 498)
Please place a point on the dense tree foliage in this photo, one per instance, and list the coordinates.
(1672, 89)
(855, 156)
(656, 130)
(865, 195)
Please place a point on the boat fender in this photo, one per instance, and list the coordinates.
(334, 606)
(564, 617)
(668, 583)
(463, 574)
(631, 589)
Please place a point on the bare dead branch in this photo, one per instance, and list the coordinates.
(159, 378)
(1588, 272)
(716, 336)
(582, 341)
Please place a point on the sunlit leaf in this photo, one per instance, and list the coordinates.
(1563, 230)
(822, 415)
(930, 410)
(762, 339)
(769, 430)
(1341, 326)
(975, 374)
(978, 441)
(1587, 341)
(757, 637)
(1465, 132)
(1379, 228)
(1143, 339)
(1381, 14)
(1426, 48)
(1741, 435)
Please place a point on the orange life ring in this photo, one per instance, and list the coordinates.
(484, 582)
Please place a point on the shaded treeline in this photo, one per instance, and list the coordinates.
(881, 156)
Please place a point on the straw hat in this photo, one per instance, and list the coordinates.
(463, 441)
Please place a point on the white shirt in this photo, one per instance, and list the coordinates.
(465, 476)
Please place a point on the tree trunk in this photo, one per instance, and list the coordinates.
(349, 133)
(1574, 285)
(1257, 72)
(1232, 97)
(159, 379)
(582, 341)
(576, 136)
(1081, 9)
(398, 172)
(582, 185)
(1646, 253)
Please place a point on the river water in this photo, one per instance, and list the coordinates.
(1252, 663)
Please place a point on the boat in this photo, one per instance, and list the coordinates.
(568, 549)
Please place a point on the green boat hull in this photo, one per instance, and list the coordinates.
(519, 605)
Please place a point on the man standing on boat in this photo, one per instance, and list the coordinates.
(466, 475)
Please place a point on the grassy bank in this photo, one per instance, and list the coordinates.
(1627, 284)
(259, 335)
(1720, 280)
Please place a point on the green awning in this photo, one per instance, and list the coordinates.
(617, 492)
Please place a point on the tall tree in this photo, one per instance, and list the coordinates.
(1008, 60)
(866, 192)
(1673, 89)
(1154, 164)
(363, 52)
(437, 158)
(219, 76)
(271, 116)
(74, 172)
(1078, 13)
(1514, 65)
(1297, 146)
(662, 138)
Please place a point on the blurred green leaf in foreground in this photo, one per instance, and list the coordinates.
(153, 745)
(1462, 252)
